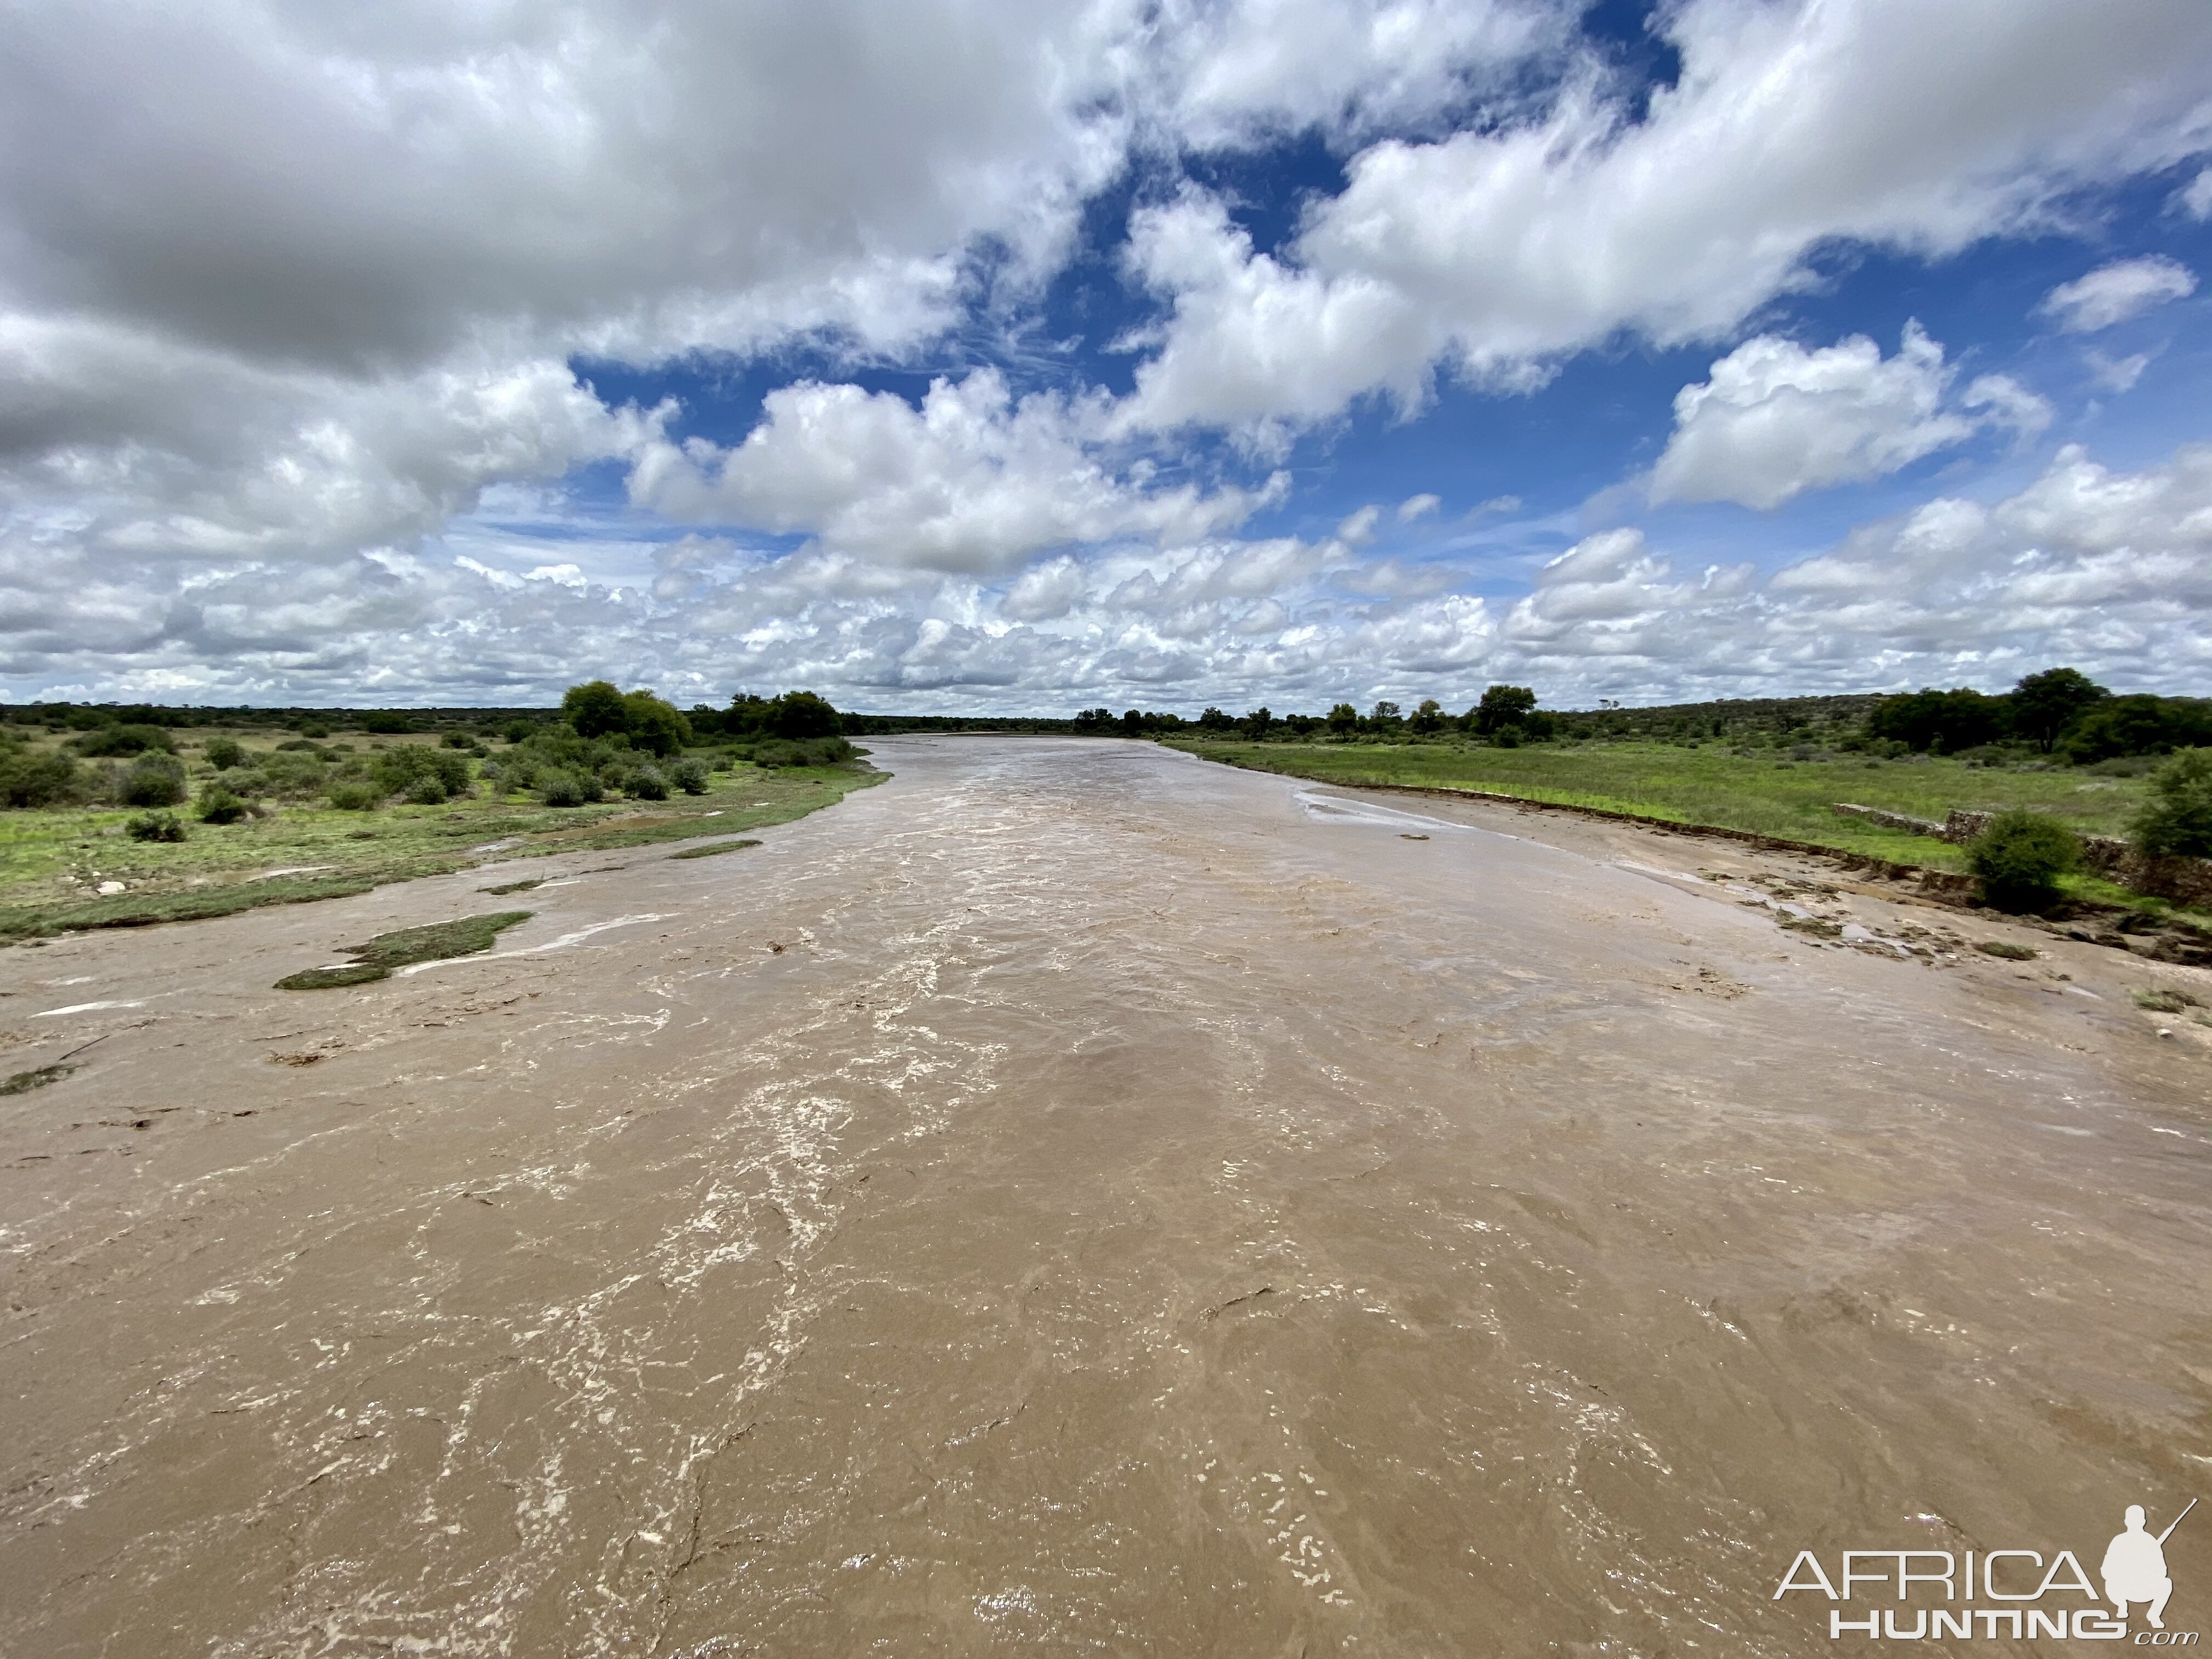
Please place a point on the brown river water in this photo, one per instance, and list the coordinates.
(1076, 1199)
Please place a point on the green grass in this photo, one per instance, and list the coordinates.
(51, 861)
(1708, 786)
(435, 943)
(709, 851)
(23, 1082)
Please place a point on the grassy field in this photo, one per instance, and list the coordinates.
(54, 864)
(1789, 800)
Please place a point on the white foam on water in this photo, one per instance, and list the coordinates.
(561, 943)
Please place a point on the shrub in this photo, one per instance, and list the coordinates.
(516, 730)
(2178, 818)
(219, 805)
(646, 784)
(223, 753)
(156, 826)
(814, 751)
(457, 740)
(689, 775)
(568, 789)
(126, 740)
(427, 791)
(2020, 858)
(402, 770)
(316, 729)
(389, 721)
(37, 780)
(298, 776)
(354, 795)
(154, 780)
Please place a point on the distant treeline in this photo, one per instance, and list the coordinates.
(2059, 714)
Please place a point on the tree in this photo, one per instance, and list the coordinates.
(799, 715)
(1954, 720)
(2139, 724)
(653, 725)
(2044, 705)
(1257, 722)
(2177, 818)
(1214, 720)
(1343, 720)
(1503, 706)
(594, 709)
(1428, 718)
(1384, 715)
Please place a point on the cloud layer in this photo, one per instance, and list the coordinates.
(289, 403)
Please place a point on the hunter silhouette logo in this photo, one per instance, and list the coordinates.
(2030, 1593)
(2135, 1566)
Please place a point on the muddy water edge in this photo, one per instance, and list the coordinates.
(1073, 1198)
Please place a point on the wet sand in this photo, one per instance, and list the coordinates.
(1078, 1199)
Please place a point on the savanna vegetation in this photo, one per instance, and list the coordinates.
(2058, 753)
(121, 817)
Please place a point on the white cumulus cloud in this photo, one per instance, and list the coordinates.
(2114, 293)
(970, 482)
(1492, 252)
(1776, 419)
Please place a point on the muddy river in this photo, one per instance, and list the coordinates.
(1077, 1199)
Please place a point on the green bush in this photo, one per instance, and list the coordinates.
(2178, 818)
(2021, 857)
(154, 780)
(690, 775)
(427, 791)
(646, 784)
(223, 753)
(298, 777)
(403, 770)
(814, 751)
(568, 789)
(37, 780)
(354, 795)
(156, 826)
(117, 740)
(219, 805)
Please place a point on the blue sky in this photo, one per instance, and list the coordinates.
(1015, 358)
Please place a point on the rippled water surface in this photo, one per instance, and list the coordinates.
(1071, 1199)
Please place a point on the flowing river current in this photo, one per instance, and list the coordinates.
(1076, 1199)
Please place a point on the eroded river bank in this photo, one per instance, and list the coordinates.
(1073, 1198)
